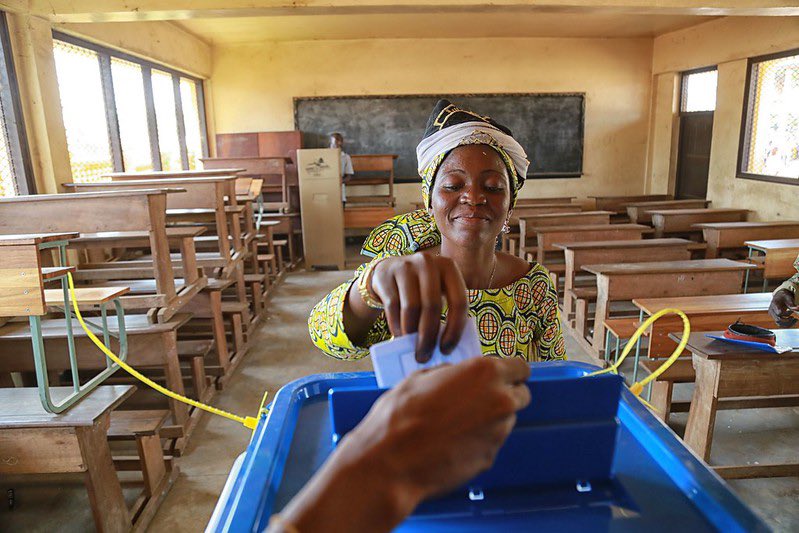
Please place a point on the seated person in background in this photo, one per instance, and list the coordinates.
(399, 455)
(783, 304)
(472, 169)
(337, 141)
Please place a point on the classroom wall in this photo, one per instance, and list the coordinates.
(162, 42)
(32, 45)
(726, 42)
(254, 85)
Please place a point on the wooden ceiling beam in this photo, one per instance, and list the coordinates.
(127, 10)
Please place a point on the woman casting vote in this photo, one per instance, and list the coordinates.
(434, 267)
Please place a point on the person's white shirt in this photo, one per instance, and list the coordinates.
(346, 169)
(346, 164)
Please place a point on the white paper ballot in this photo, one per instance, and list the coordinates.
(395, 359)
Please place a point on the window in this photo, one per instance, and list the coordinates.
(770, 125)
(131, 108)
(125, 114)
(699, 90)
(16, 176)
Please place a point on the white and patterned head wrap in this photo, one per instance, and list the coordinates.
(450, 127)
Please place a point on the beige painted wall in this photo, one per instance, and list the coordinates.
(254, 85)
(727, 43)
(162, 42)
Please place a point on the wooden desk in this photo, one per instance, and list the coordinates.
(705, 312)
(521, 202)
(549, 236)
(214, 193)
(578, 254)
(639, 211)
(278, 189)
(731, 235)
(618, 204)
(167, 174)
(288, 224)
(670, 221)
(149, 346)
(528, 224)
(206, 200)
(366, 217)
(372, 163)
(33, 441)
(530, 210)
(129, 210)
(623, 282)
(725, 370)
(542, 209)
(778, 258)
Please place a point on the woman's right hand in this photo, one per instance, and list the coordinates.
(411, 289)
(781, 308)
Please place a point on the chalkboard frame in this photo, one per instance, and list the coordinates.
(530, 176)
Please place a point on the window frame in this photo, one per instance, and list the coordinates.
(683, 75)
(746, 122)
(112, 122)
(12, 104)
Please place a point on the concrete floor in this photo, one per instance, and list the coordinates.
(281, 352)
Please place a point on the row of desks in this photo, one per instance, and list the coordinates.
(654, 274)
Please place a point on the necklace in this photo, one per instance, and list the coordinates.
(493, 270)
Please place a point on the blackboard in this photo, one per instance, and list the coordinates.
(548, 126)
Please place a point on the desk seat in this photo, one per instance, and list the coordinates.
(74, 441)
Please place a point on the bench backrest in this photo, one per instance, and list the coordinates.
(373, 163)
(169, 174)
(528, 223)
(618, 203)
(94, 212)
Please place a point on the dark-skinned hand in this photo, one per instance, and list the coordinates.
(411, 290)
(782, 307)
(430, 434)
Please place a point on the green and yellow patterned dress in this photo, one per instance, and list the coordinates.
(518, 320)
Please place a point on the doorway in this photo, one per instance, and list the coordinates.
(697, 104)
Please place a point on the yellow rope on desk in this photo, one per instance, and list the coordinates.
(247, 421)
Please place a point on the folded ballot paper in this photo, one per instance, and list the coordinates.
(395, 359)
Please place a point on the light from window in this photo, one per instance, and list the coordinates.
(134, 135)
(8, 182)
(165, 116)
(125, 114)
(772, 138)
(83, 109)
(699, 91)
(191, 119)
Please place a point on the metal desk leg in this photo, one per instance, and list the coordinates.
(638, 347)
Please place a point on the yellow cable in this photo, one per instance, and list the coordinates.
(637, 387)
(251, 422)
(247, 421)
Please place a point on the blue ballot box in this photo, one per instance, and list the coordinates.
(586, 455)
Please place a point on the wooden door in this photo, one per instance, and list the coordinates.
(693, 156)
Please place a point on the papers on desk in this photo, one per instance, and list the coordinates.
(395, 359)
(763, 347)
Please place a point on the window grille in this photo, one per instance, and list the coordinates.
(123, 113)
(770, 134)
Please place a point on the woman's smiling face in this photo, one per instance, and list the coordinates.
(471, 195)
